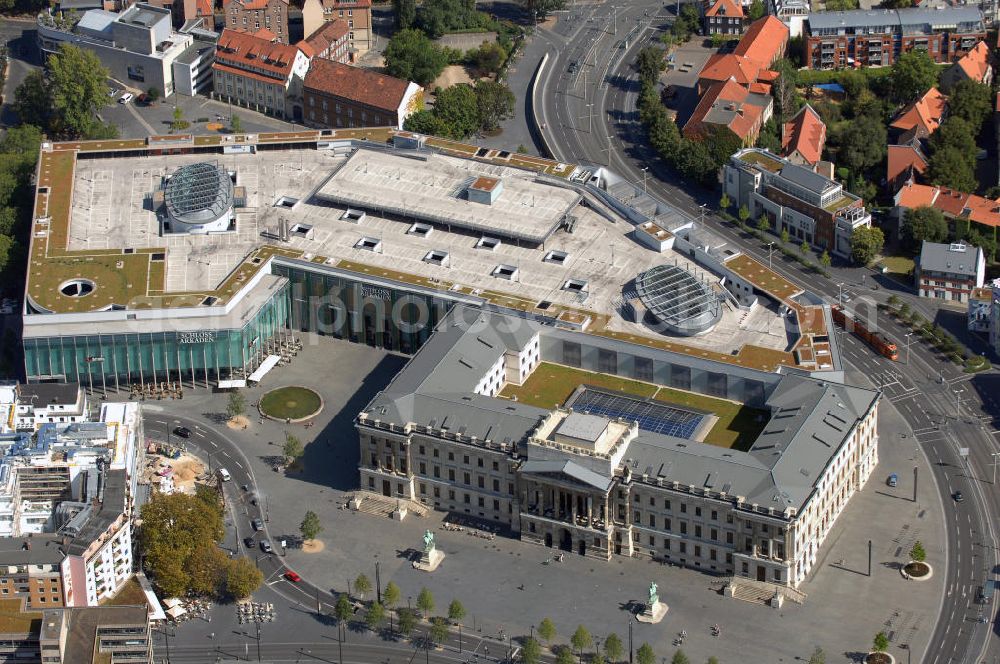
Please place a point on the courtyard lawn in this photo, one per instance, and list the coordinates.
(290, 403)
(898, 265)
(551, 384)
(738, 425)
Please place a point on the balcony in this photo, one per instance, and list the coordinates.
(563, 517)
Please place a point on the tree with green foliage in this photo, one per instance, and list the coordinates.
(236, 404)
(840, 5)
(763, 224)
(487, 59)
(407, 621)
(955, 132)
(785, 236)
(425, 601)
(985, 242)
(950, 167)
(824, 259)
(818, 656)
(495, 102)
(438, 632)
(292, 449)
(343, 610)
(547, 630)
(649, 63)
(375, 616)
(152, 94)
(425, 121)
(712, 660)
(581, 640)
(598, 658)
(645, 654)
(862, 144)
(405, 13)
(880, 643)
(242, 578)
(539, 9)
(724, 202)
(391, 595)
(757, 10)
(531, 652)
(680, 658)
(769, 138)
(437, 17)
(235, 124)
(458, 109)
(456, 612)
(206, 569)
(804, 248)
(786, 100)
(310, 526)
(412, 56)
(564, 655)
(613, 648)
(174, 527)
(913, 74)
(362, 585)
(972, 101)
(743, 214)
(866, 243)
(178, 121)
(924, 223)
(917, 552)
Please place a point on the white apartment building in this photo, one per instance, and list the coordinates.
(49, 403)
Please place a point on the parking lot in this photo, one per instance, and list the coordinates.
(688, 61)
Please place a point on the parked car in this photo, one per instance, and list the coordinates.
(257, 524)
(248, 541)
(893, 480)
(224, 475)
(958, 497)
(126, 98)
(292, 576)
(265, 546)
(183, 432)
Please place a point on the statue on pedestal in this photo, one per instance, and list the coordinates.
(654, 598)
(428, 542)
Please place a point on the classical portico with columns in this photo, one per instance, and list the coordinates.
(568, 482)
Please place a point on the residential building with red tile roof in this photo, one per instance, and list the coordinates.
(982, 214)
(765, 41)
(357, 14)
(330, 41)
(725, 17)
(921, 118)
(803, 137)
(904, 164)
(259, 72)
(254, 15)
(732, 106)
(337, 95)
(973, 66)
(763, 44)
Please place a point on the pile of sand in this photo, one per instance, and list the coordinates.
(186, 468)
(313, 546)
(238, 422)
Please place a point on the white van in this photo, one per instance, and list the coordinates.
(125, 98)
(224, 475)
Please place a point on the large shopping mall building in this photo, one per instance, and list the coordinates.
(193, 260)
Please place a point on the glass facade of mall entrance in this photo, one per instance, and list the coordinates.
(116, 361)
(309, 301)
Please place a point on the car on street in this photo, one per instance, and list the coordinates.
(257, 524)
(183, 432)
(248, 541)
(113, 92)
(958, 497)
(892, 480)
(224, 475)
(125, 98)
(265, 546)
(292, 576)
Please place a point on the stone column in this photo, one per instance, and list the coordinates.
(590, 510)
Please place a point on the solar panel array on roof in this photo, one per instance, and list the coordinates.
(655, 417)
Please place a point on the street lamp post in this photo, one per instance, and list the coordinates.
(645, 173)
(378, 581)
(703, 207)
(995, 455)
(908, 342)
(630, 621)
(770, 252)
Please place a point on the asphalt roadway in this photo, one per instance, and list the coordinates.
(590, 116)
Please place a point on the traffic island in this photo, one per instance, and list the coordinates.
(290, 404)
(916, 570)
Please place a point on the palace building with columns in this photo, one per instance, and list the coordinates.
(609, 473)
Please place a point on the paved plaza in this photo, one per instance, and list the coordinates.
(505, 583)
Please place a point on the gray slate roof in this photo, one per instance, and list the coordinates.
(571, 469)
(873, 18)
(936, 257)
(806, 178)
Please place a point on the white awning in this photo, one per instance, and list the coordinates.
(177, 611)
(229, 384)
(269, 363)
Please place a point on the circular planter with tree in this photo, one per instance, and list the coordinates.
(878, 655)
(917, 569)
